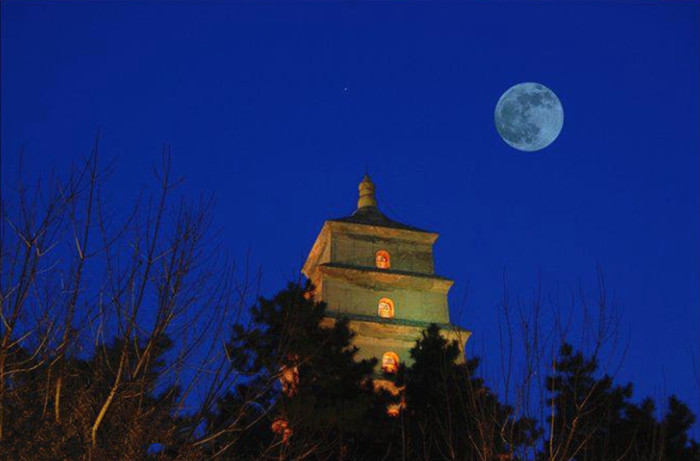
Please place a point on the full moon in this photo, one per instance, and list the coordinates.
(529, 116)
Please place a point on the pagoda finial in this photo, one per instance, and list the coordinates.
(367, 198)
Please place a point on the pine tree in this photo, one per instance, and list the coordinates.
(141, 414)
(307, 393)
(596, 420)
(451, 413)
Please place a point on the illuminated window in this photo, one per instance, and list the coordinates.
(386, 308)
(390, 362)
(383, 259)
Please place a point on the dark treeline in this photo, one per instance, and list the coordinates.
(129, 340)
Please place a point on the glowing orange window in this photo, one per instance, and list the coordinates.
(385, 308)
(390, 362)
(383, 259)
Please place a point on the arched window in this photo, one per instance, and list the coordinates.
(385, 308)
(383, 259)
(390, 362)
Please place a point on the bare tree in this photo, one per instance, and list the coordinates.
(112, 328)
(531, 335)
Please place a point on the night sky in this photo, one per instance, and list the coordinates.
(278, 108)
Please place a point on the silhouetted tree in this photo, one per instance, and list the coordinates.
(312, 398)
(142, 412)
(594, 419)
(450, 412)
(71, 274)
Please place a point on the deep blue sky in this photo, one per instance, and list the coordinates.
(278, 107)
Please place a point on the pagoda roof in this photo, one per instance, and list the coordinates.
(393, 321)
(386, 271)
(371, 216)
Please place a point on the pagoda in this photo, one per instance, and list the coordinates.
(380, 275)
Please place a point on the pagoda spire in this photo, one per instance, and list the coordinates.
(367, 198)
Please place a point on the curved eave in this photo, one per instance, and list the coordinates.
(358, 228)
(316, 251)
(447, 327)
(371, 275)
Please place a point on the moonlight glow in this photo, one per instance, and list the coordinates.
(529, 116)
